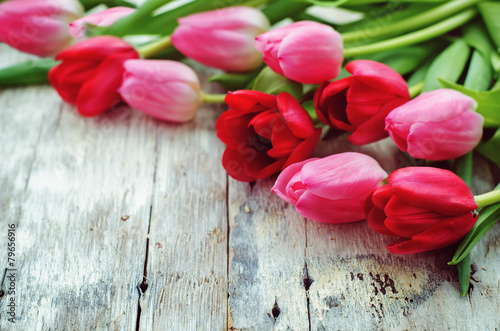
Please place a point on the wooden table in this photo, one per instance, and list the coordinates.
(127, 223)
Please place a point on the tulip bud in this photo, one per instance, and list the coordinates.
(167, 90)
(428, 208)
(38, 27)
(360, 103)
(77, 29)
(307, 52)
(222, 38)
(333, 189)
(436, 125)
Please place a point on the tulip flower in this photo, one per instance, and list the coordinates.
(167, 90)
(77, 29)
(38, 27)
(306, 52)
(436, 125)
(333, 189)
(222, 38)
(91, 72)
(360, 103)
(264, 134)
(428, 208)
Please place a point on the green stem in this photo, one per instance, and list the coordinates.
(155, 47)
(487, 199)
(414, 37)
(415, 22)
(416, 89)
(213, 98)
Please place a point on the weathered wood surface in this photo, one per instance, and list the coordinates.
(127, 223)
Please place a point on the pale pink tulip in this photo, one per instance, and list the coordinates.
(38, 27)
(436, 125)
(167, 90)
(77, 29)
(307, 52)
(333, 189)
(222, 38)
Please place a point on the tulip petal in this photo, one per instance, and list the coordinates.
(443, 234)
(297, 118)
(234, 163)
(247, 101)
(376, 218)
(447, 140)
(343, 176)
(304, 150)
(283, 142)
(232, 129)
(330, 211)
(92, 49)
(330, 103)
(432, 188)
(264, 122)
(100, 92)
(381, 196)
(279, 187)
(379, 76)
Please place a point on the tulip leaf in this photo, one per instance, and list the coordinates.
(234, 82)
(272, 83)
(479, 74)
(487, 102)
(418, 76)
(463, 269)
(487, 217)
(463, 168)
(491, 12)
(27, 73)
(477, 37)
(448, 65)
(491, 147)
(406, 59)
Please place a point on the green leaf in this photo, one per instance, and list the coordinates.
(27, 73)
(479, 74)
(487, 102)
(406, 59)
(476, 36)
(463, 168)
(448, 65)
(272, 83)
(419, 75)
(463, 269)
(234, 81)
(491, 147)
(487, 217)
(491, 12)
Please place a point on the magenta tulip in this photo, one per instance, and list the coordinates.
(333, 189)
(77, 29)
(38, 27)
(222, 38)
(436, 125)
(307, 52)
(167, 90)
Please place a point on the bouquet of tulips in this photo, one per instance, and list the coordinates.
(424, 74)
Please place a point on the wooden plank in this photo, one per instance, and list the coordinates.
(82, 228)
(187, 252)
(267, 273)
(358, 285)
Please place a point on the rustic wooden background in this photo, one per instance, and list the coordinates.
(127, 223)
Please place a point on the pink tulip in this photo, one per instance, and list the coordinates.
(167, 90)
(222, 38)
(333, 189)
(77, 29)
(436, 125)
(307, 52)
(38, 27)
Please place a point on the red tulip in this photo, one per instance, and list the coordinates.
(436, 125)
(333, 189)
(91, 73)
(264, 134)
(428, 208)
(78, 28)
(360, 103)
